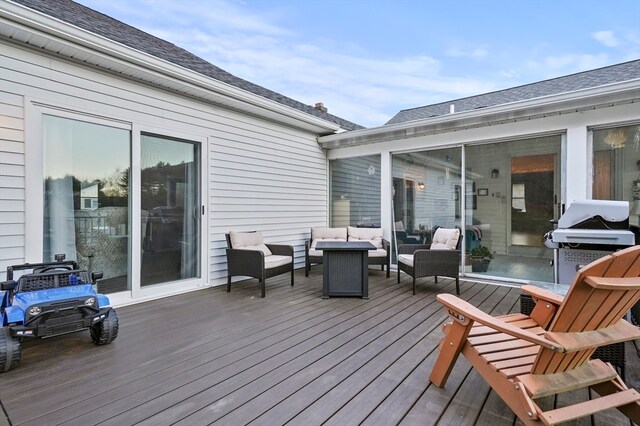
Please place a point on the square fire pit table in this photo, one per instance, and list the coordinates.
(345, 268)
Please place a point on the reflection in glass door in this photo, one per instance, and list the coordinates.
(426, 194)
(171, 209)
(86, 197)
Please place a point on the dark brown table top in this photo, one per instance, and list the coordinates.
(344, 245)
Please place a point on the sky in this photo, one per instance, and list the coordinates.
(366, 60)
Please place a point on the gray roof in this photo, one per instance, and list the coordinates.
(582, 80)
(103, 25)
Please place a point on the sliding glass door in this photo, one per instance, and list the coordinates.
(515, 194)
(426, 194)
(170, 209)
(87, 203)
(86, 197)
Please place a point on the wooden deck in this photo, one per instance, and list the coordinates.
(211, 357)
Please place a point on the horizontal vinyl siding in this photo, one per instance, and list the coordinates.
(274, 183)
(261, 175)
(12, 181)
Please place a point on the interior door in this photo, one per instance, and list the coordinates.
(532, 198)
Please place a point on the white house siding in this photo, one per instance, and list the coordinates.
(12, 181)
(261, 175)
(264, 179)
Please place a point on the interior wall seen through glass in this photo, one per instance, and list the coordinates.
(86, 197)
(355, 192)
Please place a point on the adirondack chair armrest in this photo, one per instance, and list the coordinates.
(542, 294)
(578, 341)
(458, 309)
(611, 283)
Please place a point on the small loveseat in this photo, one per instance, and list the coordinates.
(380, 256)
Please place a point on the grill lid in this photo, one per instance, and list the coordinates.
(596, 214)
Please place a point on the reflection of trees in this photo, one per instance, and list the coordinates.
(113, 190)
(108, 193)
(156, 183)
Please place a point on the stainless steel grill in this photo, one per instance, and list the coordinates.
(588, 230)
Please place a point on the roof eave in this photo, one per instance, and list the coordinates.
(49, 34)
(569, 102)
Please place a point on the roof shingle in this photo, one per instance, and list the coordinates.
(582, 80)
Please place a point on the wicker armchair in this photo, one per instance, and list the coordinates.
(248, 255)
(441, 258)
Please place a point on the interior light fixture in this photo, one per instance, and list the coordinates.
(615, 139)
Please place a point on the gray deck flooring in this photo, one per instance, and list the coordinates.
(211, 357)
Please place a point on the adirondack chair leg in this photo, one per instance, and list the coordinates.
(527, 403)
(630, 410)
(450, 347)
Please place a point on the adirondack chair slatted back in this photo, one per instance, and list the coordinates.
(586, 308)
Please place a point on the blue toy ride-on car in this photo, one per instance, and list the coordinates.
(50, 299)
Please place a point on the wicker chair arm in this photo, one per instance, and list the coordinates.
(437, 262)
(437, 256)
(411, 248)
(281, 249)
(245, 262)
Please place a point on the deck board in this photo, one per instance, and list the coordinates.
(212, 357)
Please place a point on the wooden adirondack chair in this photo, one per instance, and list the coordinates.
(523, 361)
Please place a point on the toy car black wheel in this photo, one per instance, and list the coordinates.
(105, 331)
(10, 350)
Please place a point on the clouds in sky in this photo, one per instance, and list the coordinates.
(607, 38)
(314, 56)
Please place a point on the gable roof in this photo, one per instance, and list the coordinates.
(582, 80)
(112, 29)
